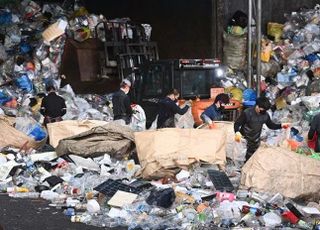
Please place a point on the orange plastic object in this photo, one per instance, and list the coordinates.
(12, 104)
(293, 144)
(198, 106)
(30, 66)
(201, 207)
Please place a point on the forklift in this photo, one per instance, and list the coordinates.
(198, 80)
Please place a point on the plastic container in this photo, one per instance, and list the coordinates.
(37, 133)
(30, 195)
(271, 219)
(253, 210)
(93, 206)
(288, 215)
(17, 189)
(221, 196)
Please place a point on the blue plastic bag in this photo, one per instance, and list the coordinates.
(249, 95)
(5, 18)
(37, 133)
(25, 48)
(23, 82)
(4, 98)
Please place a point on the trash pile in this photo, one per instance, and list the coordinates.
(107, 175)
(115, 189)
(31, 51)
(290, 63)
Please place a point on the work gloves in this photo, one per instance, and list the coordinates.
(285, 125)
(238, 137)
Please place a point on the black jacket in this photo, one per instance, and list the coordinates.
(315, 128)
(121, 106)
(250, 123)
(53, 106)
(167, 109)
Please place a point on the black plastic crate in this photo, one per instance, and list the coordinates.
(110, 187)
(220, 180)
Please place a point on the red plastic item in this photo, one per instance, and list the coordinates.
(221, 196)
(288, 215)
(312, 143)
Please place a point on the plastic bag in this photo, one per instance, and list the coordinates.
(154, 124)
(275, 30)
(239, 18)
(239, 153)
(162, 198)
(23, 82)
(311, 102)
(184, 121)
(138, 119)
(37, 133)
(4, 98)
(234, 51)
(266, 50)
(30, 127)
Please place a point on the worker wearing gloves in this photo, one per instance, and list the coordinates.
(315, 129)
(249, 125)
(53, 107)
(168, 108)
(122, 111)
(215, 111)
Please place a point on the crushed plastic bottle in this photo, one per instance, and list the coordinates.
(30, 195)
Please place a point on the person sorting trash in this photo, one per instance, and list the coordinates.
(215, 111)
(249, 125)
(122, 110)
(168, 108)
(53, 107)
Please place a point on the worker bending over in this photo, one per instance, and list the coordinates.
(168, 108)
(249, 124)
(53, 107)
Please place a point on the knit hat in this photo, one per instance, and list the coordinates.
(127, 82)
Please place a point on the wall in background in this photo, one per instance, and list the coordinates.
(185, 28)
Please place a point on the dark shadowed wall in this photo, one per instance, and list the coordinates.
(190, 28)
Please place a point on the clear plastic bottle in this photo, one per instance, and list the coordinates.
(30, 195)
(16, 189)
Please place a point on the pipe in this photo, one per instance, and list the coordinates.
(214, 28)
(258, 46)
(249, 62)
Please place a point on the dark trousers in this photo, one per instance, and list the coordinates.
(252, 146)
(169, 123)
(48, 120)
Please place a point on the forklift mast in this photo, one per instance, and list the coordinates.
(115, 51)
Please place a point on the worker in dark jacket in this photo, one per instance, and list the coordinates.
(315, 129)
(215, 111)
(168, 108)
(122, 110)
(53, 107)
(250, 122)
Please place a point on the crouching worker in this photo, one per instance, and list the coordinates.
(168, 108)
(53, 107)
(215, 111)
(249, 125)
